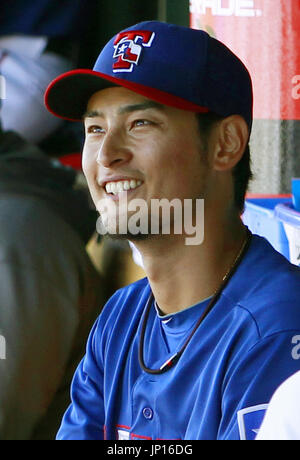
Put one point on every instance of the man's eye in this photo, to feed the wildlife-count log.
(94, 129)
(141, 122)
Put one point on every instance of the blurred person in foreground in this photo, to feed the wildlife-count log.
(282, 419)
(50, 292)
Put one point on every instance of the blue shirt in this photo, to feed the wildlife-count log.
(220, 387)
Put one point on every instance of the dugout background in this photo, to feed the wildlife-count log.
(275, 142)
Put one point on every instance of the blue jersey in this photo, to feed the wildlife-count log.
(219, 389)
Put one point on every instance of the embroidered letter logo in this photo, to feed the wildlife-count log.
(128, 49)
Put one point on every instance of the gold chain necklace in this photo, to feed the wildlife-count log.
(175, 358)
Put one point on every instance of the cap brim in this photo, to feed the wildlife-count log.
(67, 96)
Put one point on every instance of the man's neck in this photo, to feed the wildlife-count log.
(180, 275)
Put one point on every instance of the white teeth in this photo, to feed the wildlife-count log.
(113, 187)
(121, 186)
(126, 185)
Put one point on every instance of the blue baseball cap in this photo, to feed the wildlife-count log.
(174, 65)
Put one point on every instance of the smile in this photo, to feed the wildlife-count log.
(122, 186)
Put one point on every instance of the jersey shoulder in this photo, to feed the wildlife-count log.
(126, 302)
(267, 287)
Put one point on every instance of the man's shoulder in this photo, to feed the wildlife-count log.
(131, 295)
(122, 312)
(268, 289)
(134, 287)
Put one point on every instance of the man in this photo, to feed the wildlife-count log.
(50, 292)
(196, 349)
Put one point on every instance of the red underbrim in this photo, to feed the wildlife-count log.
(72, 159)
(67, 96)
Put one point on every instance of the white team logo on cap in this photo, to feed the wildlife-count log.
(128, 48)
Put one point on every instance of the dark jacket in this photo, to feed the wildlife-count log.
(50, 292)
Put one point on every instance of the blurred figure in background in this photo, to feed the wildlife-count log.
(50, 291)
(282, 419)
(27, 70)
(38, 40)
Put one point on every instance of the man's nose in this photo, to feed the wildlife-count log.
(113, 149)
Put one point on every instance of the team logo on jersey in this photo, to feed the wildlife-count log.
(129, 47)
(250, 420)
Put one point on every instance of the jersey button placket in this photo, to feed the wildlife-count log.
(148, 413)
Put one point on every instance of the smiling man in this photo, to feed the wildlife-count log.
(196, 349)
(137, 136)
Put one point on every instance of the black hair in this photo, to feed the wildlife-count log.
(242, 173)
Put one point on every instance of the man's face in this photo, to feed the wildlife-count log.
(138, 149)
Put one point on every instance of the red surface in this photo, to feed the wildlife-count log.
(265, 34)
(73, 160)
(267, 195)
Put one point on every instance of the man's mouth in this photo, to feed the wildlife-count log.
(114, 188)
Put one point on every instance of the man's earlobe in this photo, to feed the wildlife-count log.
(233, 137)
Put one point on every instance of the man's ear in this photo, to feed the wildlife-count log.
(232, 137)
